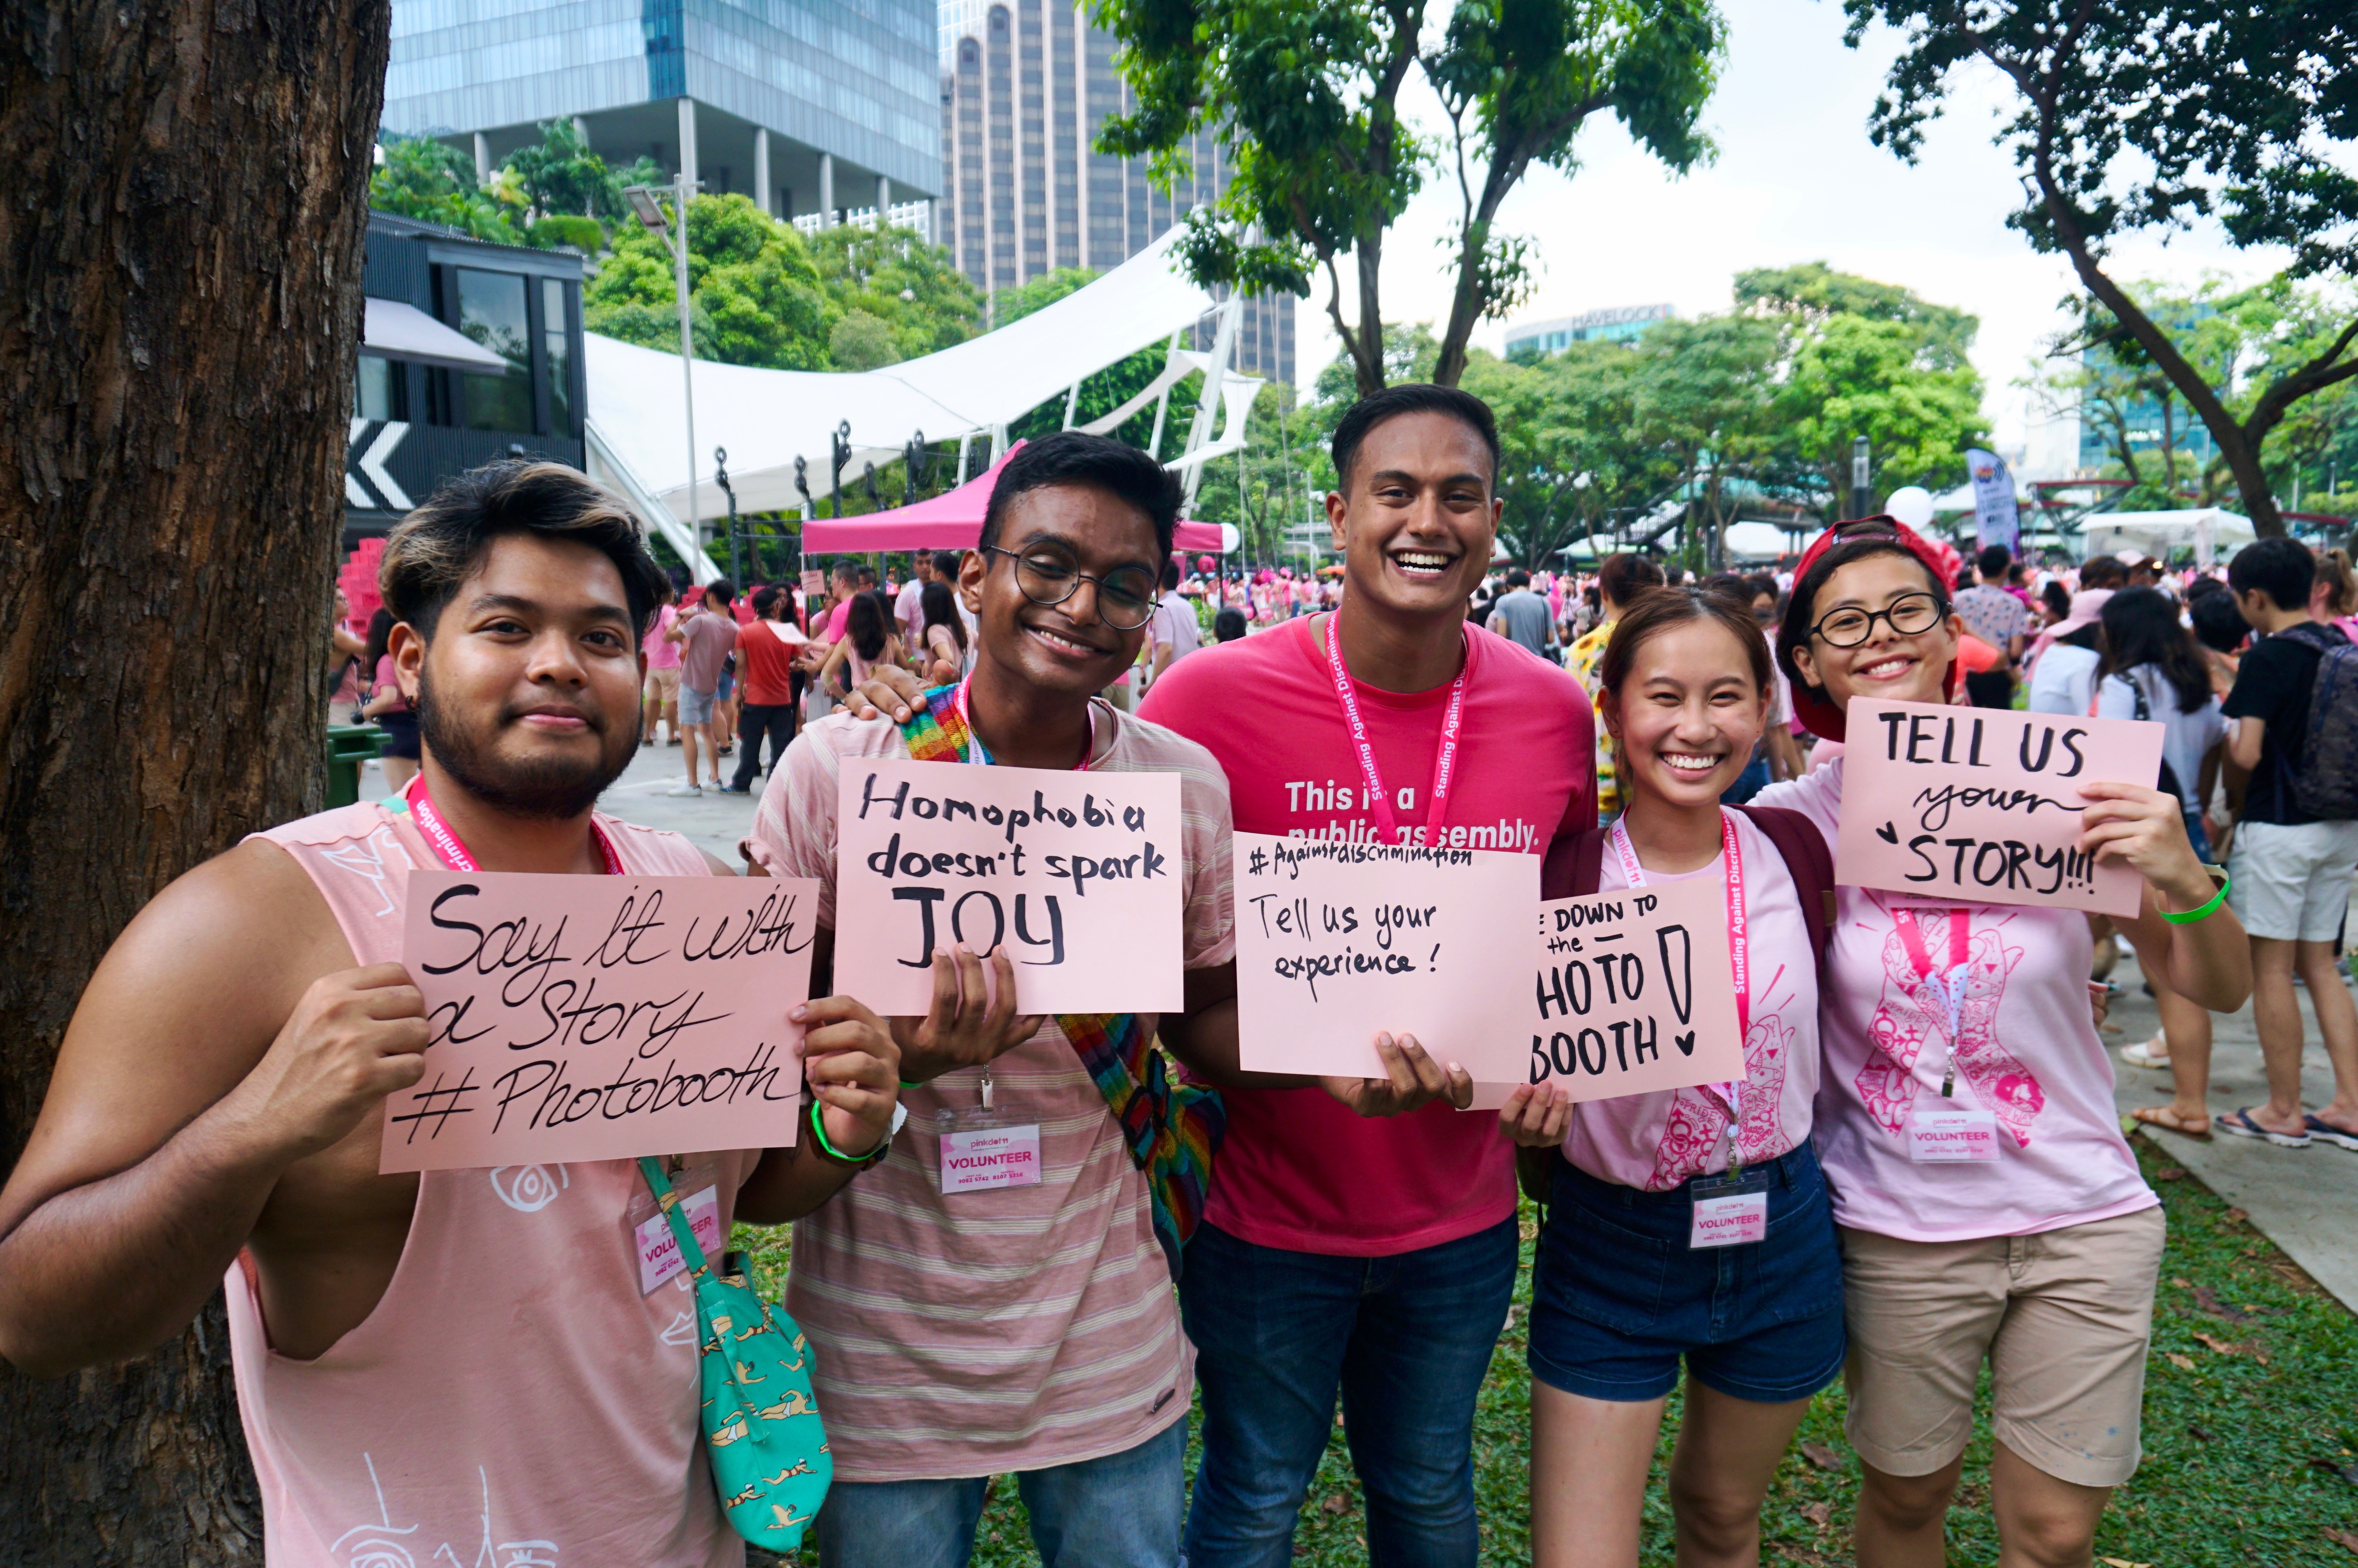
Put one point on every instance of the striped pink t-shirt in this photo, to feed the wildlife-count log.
(1012, 1328)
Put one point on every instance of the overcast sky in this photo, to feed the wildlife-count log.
(1796, 180)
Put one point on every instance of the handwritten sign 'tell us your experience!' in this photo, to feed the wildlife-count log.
(1077, 874)
(1337, 943)
(602, 1018)
(1982, 805)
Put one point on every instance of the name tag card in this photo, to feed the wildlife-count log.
(1951, 1137)
(991, 1157)
(1337, 943)
(600, 1018)
(1737, 1219)
(1635, 993)
(1982, 805)
(1078, 874)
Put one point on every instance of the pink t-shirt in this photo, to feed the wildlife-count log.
(663, 653)
(2028, 1052)
(389, 679)
(1298, 1170)
(1012, 1328)
(1655, 1141)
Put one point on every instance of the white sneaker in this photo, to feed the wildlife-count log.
(685, 789)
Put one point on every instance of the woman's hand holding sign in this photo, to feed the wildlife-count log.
(1537, 1116)
(2206, 958)
(2145, 828)
(973, 1018)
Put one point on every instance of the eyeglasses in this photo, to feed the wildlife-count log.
(1906, 615)
(1050, 574)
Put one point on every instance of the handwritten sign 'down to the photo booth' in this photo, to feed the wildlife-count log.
(1635, 993)
(1337, 943)
(602, 1018)
(1982, 805)
(1078, 875)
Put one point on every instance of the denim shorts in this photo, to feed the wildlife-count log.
(1618, 1296)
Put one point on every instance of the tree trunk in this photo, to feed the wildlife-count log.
(180, 302)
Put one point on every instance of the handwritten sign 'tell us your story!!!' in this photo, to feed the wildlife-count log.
(1635, 993)
(1077, 874)
(1982, 805)
(1337, 943)
(602, 1018)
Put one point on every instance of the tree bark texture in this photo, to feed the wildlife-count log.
(180, 242)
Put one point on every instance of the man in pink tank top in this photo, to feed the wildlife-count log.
(460, 1364)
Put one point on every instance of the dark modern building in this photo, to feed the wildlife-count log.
(469, 352)
(1026, 86)
(807, 107)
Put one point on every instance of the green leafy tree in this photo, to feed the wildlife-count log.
(1264, 488)
(423, 179)
(1814, 292)
(861, 341)
(1855, 375)
(1574, 462)
(1306, 98)
(754, 296)
(560, 175)
(2149, 115)
(893, 276)
(1704, 399)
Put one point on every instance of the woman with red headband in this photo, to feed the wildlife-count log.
(2042, 1260)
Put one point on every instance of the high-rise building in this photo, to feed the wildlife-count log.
(1026, 86)
(808, 106)
(1615, 324)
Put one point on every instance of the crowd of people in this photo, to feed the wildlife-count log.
(463, 1356)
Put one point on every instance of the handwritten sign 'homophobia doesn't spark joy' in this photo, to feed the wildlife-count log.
(1635, 993)
(1981, 805)
(1337, 943)
(602, 1018)
(1077, 874)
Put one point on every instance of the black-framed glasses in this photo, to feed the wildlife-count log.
(1048, 573)
(1906, 615)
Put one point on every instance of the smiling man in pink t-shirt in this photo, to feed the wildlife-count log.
(1375, 1257)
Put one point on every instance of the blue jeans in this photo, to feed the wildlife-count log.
(1407, 1340)
(1120, 1511)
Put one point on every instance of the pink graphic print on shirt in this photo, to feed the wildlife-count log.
(1911, 1010)
(1698, 1120)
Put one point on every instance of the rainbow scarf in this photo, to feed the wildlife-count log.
(1172, 1129)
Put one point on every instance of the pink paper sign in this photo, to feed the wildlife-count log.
(602, 1018)
(1340, 942)
(1982, 805)
(1078, 874)
(1635, 993)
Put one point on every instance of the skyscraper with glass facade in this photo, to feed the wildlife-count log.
(805, 106)
(1026, 85)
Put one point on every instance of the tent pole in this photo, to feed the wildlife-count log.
(1072, 402)
(964, 442)
(1162, 404)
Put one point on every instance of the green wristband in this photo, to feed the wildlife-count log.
(2191, 915)
(858, 1161)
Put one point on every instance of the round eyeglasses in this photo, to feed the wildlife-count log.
(1051, 574)
(1906, 615)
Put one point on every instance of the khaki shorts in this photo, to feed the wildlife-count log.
(662, 686)
(2292, 882)
(2064, 1318)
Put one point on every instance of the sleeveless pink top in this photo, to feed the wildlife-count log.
(512, 1402)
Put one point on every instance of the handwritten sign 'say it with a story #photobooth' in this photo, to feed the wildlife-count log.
(602, 1018)
(1982, 805)
(1079, 875)
(1337, 943)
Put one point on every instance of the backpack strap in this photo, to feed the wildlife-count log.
(1573, 866)
(1805, 854)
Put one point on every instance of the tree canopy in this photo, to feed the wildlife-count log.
(2150, 115)
(1304, 99)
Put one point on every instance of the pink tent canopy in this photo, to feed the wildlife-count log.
(951, 521)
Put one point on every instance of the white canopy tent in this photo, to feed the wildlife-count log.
(767, 419)
(2209, 531)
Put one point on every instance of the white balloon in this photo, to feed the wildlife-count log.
(1912, 505)
(1231, 539)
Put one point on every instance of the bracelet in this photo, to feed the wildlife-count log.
(2191, 915)
(833, 1156)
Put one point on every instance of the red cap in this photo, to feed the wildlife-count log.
(1823, 718)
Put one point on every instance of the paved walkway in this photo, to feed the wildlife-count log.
(2305, 1200)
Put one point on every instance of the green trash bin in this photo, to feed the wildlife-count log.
(349, 745)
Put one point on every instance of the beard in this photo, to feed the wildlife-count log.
(545, 787)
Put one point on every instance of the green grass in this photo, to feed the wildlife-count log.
(2251, 1451)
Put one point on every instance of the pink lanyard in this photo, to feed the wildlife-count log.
(980, 754)
(445, 843)
(1740, 944)
(1952, 983)
(1444, 761)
